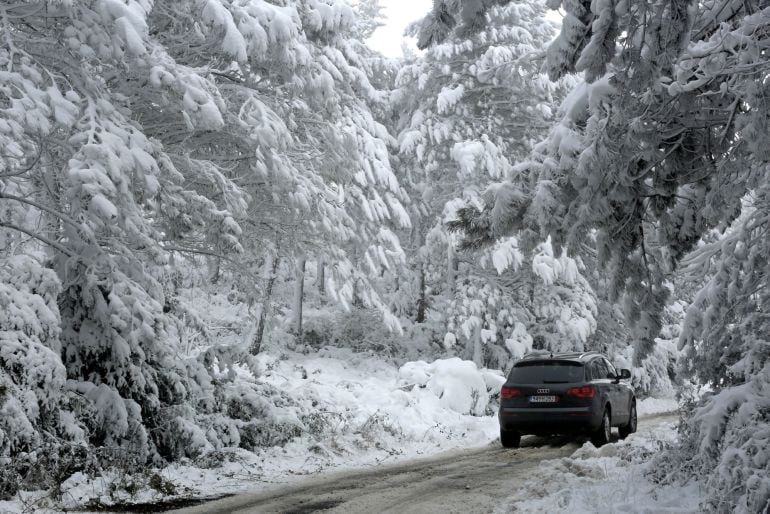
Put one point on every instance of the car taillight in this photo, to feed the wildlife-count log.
(582, 392)
(509, 392)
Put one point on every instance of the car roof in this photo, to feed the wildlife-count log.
(543, 355)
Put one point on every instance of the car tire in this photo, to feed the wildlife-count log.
(630, 427)
(510, 439)
(602, 434)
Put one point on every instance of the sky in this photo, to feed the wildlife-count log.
(400, 13)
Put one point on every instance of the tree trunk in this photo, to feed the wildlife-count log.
(320, 279)
(478, 347)
(215, 264)
(270, 271)
(299, 293)
(451, 272)
(422, 303)
(49, 184)
(358, 302)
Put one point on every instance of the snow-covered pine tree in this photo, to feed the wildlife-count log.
(726, 340)
(90, 191)
(618, 161)
(370, 16)
(661, 144)
(34, 408)
(150, 132)
(469, 105)
(308, 150)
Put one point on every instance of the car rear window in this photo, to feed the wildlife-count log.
(547, 373)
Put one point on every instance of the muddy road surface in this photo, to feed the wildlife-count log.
(459, 482)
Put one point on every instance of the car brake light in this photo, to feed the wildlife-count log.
(582, 392)
(509, 392)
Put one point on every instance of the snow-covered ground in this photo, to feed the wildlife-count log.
(350, 410)
(378, 414)
(607, 479)
(651, 406)
(355, 411)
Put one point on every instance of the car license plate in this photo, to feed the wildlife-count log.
(542, 399)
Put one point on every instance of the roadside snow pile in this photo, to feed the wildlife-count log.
(353, 410)
(459, 385)
(652, 406)
(359, 395)
(612, 478)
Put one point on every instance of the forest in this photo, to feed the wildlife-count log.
(194, 194)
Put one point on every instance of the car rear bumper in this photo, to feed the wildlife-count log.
(549, 420)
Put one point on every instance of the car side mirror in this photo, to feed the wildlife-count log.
(624, 374)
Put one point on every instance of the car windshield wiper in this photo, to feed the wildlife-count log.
(555, 381)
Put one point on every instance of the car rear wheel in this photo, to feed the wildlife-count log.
(630, 427)
(509, 439)
(602, 435)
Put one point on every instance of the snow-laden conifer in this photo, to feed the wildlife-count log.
(470, 106)
(659, 146)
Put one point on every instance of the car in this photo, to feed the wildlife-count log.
(566, 393)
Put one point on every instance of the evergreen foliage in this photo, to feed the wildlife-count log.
(469, 106)
(260, 154)
(157, 132)
(657, 147)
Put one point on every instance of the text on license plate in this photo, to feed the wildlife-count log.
(542, 399)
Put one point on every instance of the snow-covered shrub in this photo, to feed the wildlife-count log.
(34, 422)
(186, 437)
(264, 415)
(123, 355)
(498, 314)
(31, 372)
(726, 440)
(358, 329)
(48, 467)
(378, 425)
(317, 329)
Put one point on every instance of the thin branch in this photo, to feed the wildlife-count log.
(25, 170)
(63, 249)
(226, 76)
(650, 166)
(53, 212)
(734, 108)
(239, 265)
(199, 251)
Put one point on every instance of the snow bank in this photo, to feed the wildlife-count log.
(459, 385)
(652, 406)
(355, 410)
(612, 478)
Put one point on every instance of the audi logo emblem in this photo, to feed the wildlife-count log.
(541, 391)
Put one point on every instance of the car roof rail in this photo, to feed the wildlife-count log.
(534, 354)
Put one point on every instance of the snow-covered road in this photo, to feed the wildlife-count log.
(478, 480)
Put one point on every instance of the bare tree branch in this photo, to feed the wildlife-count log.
(53, 212)
(63, 249)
